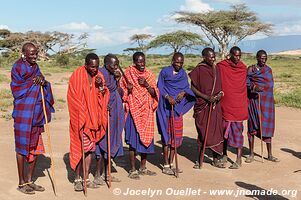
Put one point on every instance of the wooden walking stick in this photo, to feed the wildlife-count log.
(84, 165)
(49, 143)
(174, 140)
(126, 79)
(206, 135)
(260, 127)
(109, 151)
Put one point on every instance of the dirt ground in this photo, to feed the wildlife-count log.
(245, 183)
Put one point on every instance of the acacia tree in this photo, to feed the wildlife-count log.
(64, 42)
(141, 40)
(177, 41)
(226, 26)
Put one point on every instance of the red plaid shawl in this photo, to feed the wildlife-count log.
(87, 110)
(140, 103)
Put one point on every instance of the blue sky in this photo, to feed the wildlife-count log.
(112, 22)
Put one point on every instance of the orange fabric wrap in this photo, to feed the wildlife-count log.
(87, 111)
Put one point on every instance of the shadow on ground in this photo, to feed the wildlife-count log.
(256, 192)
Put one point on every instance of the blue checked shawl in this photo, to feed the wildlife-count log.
(262, 77)
(28, 109)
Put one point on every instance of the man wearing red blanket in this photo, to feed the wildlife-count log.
(234, 103)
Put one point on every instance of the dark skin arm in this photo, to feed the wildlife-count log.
(39, 80)
(180, 96)
(99, 84)
(203, 96)
(170, 100)
(145, 84)
(211, 99)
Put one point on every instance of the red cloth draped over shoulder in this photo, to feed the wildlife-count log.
(140, 103)
(235, 102)
(87, 110)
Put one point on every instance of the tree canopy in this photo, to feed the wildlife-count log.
(177, 40)
(141, 40)
(64, 42)
(226, 26)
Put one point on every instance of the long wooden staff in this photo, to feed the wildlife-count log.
(109, 151)
(84, 165)
(260, 127)
(174, 140)
(49, 143)
(126, 79)
(206, 135)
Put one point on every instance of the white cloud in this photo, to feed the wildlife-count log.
(74, 26)
(230, 1)
(195, 6)
(97, 27)
(125, 33)
(114, 37)
(4, 27)
(288, 28)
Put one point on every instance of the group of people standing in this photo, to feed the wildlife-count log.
(104, 101)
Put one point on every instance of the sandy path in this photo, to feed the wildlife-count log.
(285, 175)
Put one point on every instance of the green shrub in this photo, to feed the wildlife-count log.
(62, 60)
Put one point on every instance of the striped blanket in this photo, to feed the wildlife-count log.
(87, 110)
(263, 77)
(140, 103)
(28, 109)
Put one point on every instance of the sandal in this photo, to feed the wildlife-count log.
(196, 165)
(98, 180)
(218, 163)
(273, 159)
(174, 169)
(133, 174)
(224, 159)
(249, 159)
(166, 170)
(25, 189)
(113, 178)
(91, 185)
(36, 187)
(146, 172)
(235, 165)
(78, 185)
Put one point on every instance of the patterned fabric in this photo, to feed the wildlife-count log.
(28, 109)
(89, 145)
(87, 110)
(116, 119)
(172, 84)
(140, 103)
(233, 132)
(202, 78)
(36, 146)
(177, 127)
(235, 101)
(132, 138)
(262, 77)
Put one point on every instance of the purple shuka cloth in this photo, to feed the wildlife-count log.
(172, 84)
(116, 119)
(28, 109)
(263, 77)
